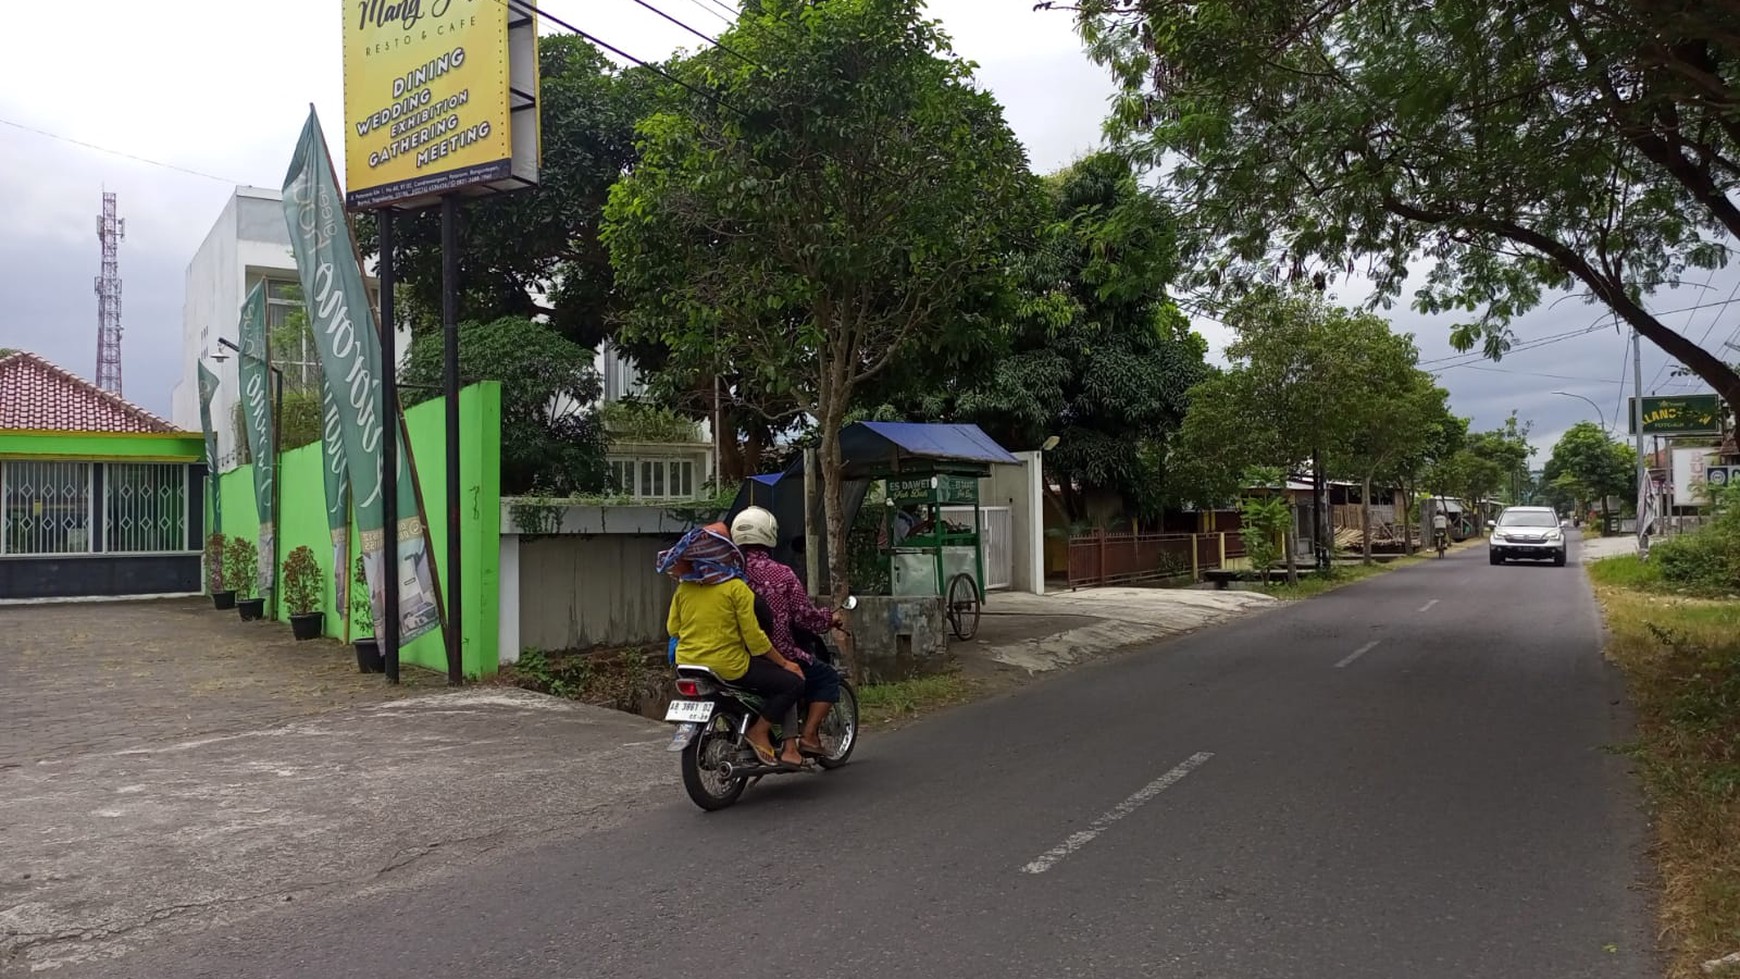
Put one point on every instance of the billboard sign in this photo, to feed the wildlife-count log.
(1690, 414)
(439, 97)
(1690, 468)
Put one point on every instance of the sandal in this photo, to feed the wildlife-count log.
(813, 749)
(764, 755)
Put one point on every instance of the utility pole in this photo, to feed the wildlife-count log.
(1643, 486)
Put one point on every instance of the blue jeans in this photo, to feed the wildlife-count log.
(821, 683)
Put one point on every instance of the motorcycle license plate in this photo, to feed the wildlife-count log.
(689, 711)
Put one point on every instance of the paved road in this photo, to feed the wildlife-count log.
(1402, 778)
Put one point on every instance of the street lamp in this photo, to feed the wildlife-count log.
(1598, 412)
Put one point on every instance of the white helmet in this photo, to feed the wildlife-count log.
(755, 526)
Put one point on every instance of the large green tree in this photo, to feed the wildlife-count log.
(1093, 352)
(846, 199)
(552, 441)
(1304, 379)
(1586, 464)
(1397, 419)
(1503, 149)
(537, 253)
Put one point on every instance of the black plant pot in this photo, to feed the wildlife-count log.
(368, 656)
(223, 599)
(306, 625)
(251, 609)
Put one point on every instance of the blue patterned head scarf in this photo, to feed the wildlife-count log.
(705, 555)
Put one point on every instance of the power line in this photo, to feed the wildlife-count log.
(120, 153)
(527, 6)
(700, 34)
(704, 8)
(1556, 377)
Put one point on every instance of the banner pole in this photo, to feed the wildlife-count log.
(450, 393)
(389, 630)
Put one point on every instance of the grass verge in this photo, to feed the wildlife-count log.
(880, 703)
(1681, 656)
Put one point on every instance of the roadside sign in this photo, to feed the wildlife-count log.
(1690, 414)
(1722, 475)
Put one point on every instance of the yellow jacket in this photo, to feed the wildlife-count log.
(715, 627)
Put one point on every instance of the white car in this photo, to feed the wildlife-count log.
(1531, 533)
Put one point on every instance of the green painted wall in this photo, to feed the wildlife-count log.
(302, 519)
(173, 447)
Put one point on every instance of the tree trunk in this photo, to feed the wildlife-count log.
(834, 515)
(1407, 520)
(1365, 515)
(1291, 534)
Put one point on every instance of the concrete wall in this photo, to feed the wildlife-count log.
(898, 638)
(579, 591)
(1020, 488)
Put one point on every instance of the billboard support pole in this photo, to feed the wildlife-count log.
(389, 629)
(450, 393)
(1637, 426)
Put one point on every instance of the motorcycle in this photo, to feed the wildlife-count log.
(713, 719)
(1441, 541)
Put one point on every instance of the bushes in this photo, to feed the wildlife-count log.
(1704, 561)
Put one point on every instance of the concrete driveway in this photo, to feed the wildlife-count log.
(165, 767)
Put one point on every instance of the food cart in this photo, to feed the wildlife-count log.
(929, 556)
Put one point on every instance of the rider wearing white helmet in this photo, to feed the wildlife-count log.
(756, 532)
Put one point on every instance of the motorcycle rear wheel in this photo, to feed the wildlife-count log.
(700, 776)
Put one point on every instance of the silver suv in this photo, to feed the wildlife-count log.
(1531, 532)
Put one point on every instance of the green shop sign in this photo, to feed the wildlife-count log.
(934, 489)
(1691, 414)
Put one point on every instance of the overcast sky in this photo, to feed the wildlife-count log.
(222, 88)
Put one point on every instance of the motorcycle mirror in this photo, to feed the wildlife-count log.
(850, 603)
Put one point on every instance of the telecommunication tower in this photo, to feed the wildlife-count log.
(111, 231)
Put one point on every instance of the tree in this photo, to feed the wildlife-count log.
(551, 442)
(1093, 351)
(536, 253)
(1395, 420)
(1506, 447)
(1295, 390)
(845, 198)
(1510, 148)
(1588, 465)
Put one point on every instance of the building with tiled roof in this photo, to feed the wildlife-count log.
(35, 395)
(99, 498)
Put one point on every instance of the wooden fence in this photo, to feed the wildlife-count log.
(1110, 559)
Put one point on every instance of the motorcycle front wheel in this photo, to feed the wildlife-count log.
(839, 732)
(702, 760)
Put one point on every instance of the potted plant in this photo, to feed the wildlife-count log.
(241, 567)
(302, 593)
(222, 596)
(362, 620)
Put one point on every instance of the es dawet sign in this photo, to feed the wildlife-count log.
(434, 91)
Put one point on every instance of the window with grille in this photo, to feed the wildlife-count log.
(654, 479)
(45, 507)
(145, 507)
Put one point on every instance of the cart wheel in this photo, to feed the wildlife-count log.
(963, 607)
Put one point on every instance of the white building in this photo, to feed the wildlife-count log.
(248, 244)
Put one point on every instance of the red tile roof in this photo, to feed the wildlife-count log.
(35, 395)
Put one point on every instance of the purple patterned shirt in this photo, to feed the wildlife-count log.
(779, 587)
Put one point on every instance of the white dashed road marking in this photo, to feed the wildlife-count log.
(1428, 604)
(1076, 841)
(1356, 654)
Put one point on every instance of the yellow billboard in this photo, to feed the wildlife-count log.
(427, 99)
